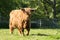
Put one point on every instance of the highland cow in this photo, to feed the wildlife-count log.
(20, 19)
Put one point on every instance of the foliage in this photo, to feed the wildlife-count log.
(45, 9)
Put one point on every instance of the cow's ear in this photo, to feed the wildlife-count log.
(23, 9)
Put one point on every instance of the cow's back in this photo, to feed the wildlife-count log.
(17, 17)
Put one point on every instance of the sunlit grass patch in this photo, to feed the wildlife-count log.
(35, 34)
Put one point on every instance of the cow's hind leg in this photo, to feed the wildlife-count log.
(21, 31)
(11, 28)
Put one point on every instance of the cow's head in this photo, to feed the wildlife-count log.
(28, 10)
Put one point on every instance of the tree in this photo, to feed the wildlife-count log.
(54, 8)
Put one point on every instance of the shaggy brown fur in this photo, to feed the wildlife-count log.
(20, 19)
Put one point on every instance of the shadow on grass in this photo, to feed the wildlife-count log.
(39, 34)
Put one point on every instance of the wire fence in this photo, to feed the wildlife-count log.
(41, 23)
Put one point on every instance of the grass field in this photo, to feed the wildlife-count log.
(35, 34)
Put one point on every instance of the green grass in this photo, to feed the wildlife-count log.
(35, 34)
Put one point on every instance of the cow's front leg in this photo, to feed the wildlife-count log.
(28, 30)
(28, 27)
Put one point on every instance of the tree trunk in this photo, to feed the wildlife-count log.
(54, 8)
(46, 10)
